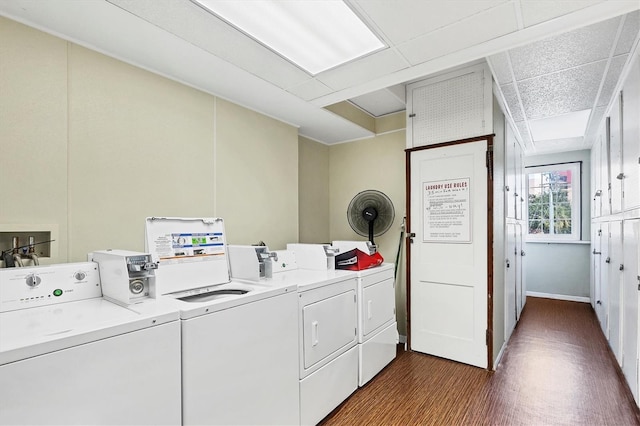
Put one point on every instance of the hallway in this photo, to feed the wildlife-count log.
(557, 370)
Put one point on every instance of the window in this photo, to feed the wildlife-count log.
(554, 201)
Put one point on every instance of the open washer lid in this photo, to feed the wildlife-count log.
(192, 252)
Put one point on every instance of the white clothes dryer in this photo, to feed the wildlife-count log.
(68, 356)
(377, 325)
(239, 339)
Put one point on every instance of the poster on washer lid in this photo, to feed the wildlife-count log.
(447, 211)
(180, 247)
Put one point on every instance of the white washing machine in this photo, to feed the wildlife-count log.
(239, 340)
(377, 326)
(68, 356)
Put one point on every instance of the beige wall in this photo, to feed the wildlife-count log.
(374, 163)
(257, 178)
(33, 129)
(99, 145)
(313, 194)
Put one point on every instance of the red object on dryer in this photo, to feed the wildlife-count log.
(357, 260)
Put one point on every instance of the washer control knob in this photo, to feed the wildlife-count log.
(32, 280)
(80, 275)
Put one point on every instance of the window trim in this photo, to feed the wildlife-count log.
(576, 203)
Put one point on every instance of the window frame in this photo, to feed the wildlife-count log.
(576, 201)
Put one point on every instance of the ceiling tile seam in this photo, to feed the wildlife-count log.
(518, 8)
(502, 100)
(517, 90)
(369, 22)
(524, 80)
(604, 77)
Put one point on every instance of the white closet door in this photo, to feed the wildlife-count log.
(630, 306)
(615, 289)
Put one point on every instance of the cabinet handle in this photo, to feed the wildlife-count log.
(508, 263)
(621, 267)
(620, 176)
(596, 252)
(608, 260)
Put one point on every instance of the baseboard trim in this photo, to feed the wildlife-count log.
(499, 357)
(559, 297)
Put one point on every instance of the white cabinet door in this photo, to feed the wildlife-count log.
(510, 173)
(602, 305)
(596, 181)
(510, 308)
(596, 237)
(519, 195)
(615, 289)
(521, 288)
(615, 155)
(631, 137)
(630, 304)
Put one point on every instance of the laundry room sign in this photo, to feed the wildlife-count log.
(447, 211)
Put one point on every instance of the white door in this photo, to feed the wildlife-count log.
(449, 256)
(510, 281)
(596, 242)
(615, 289)
(510, 173)
(615, 155)
(630, 305)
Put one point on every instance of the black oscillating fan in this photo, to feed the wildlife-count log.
(370, 213)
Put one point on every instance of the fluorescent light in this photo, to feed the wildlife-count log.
(315, 35)
(571, 125)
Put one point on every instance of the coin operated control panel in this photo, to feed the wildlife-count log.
(30, 287)
(127, 277)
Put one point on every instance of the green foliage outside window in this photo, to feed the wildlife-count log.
(550, 202)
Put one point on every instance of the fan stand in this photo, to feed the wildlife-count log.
(370, 214)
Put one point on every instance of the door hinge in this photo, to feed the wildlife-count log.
(412, 115)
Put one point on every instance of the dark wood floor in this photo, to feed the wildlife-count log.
(556, 370)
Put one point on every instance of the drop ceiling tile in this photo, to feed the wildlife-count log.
(561, 92)
(511, 97)
(191, 23)
(584, 45)
(524, 132)
(485, 26)
(310, 89)
(364, 69)
(537, 11)
(501, 67)
(610, 81)
(629, 33)
(379, 103)
(403, 20)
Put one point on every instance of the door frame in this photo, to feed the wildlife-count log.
(408, 152)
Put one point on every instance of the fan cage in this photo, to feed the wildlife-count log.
(380, 202)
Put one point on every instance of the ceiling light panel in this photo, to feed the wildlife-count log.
(584, 45)
(562, 92)
(314, 35)
(537, 11)
(572, 125)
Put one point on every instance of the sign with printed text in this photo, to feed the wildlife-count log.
(447, 211)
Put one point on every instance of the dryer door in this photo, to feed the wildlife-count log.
(328, 325)
(378, 305)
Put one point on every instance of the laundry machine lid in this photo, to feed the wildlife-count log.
(31, 332)
(192, 252)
